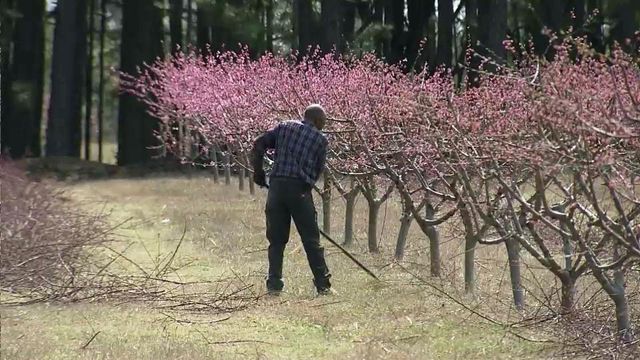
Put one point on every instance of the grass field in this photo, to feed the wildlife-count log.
(397, 319)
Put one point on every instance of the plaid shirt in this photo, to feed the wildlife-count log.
(300, 150)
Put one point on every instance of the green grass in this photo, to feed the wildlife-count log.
(399, 319)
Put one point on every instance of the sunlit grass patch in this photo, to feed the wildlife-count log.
(222, 232)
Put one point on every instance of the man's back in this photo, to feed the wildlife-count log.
(300, 151)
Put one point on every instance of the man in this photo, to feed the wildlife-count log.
(300, 154)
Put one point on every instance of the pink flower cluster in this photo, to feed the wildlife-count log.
(580, 107)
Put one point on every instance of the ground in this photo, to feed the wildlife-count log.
(399, 318)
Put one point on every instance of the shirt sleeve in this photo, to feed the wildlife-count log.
(263, 143)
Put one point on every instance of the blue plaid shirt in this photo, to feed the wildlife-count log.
(300, 150)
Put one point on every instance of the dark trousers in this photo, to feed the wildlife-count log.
(287, 199)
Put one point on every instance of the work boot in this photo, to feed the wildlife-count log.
(323, 286)
(327, 291)
(274, 286)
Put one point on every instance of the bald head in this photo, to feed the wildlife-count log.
(315, 114)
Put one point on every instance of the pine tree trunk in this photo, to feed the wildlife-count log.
(492, 30)
(394, 16)
(6, 29)
(471, 25)
(331, 19)
(304, 24)
(103, 31)
(378, 18)
(175, 23)
(88, 105)
(348, 23)
(203, 29)
(24, 104)
(579, 13)
(269, 25)
(135, 126)
(552, 13)
(189, 37)
(445, 33)
(419, 13)
(64, 125)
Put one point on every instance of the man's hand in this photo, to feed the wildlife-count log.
(259, 178)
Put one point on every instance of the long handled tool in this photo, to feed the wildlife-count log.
(348, 254)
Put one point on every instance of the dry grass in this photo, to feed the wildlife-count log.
(399, 319)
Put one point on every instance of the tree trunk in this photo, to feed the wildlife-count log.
(326, 204)
(203, 29)
(136, 127)
(624, 14)
(405, 224)
(469, 265)
(189, 37)
(175, 24)
(64, 130)
(470, 242)
(24, 104)
(445, 33)
(623, 318)
(378, 18)
(513, 255)
(252, 185)
(567, 300)
(553, 13)
(394, 16)
(103, 31)
(471, 24)
(227, 168)
(331, 19)
(579, 13)
(304, 25)
(88, 105)
(492, 30)
(241, 176)
(434, 241)
(269, 26)
(6, 28)
(215, 163)
(372, 230)
(348, 217)
(348, 23)
(419, 13)
(567, 251)
(249, 174)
